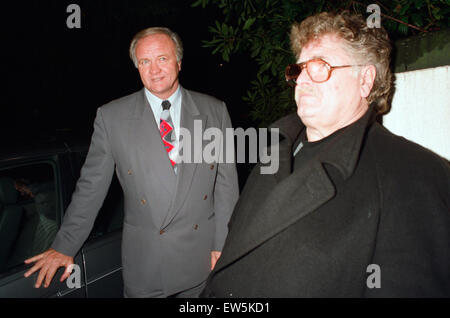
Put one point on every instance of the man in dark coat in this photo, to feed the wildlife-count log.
(353, 211)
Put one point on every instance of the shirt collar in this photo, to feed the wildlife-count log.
(155, 102)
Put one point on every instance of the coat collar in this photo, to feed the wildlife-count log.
(343, 153)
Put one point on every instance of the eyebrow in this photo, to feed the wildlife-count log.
(161, 55)
(326, 59)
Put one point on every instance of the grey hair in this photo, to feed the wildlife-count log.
(156, 30)
(367, 45)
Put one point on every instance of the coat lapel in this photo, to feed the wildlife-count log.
(308, 188)
(186, 170)
(151, 155)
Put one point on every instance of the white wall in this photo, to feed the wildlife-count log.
(421, 108)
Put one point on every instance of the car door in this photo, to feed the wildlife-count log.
(102, 250)
(32, 199)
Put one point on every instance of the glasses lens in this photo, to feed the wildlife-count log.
(292, 72)
(317, 70)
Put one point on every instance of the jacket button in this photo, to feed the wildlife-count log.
(143, 201)
(161, 232)
(195, 226)
(130, 172)
(212, 167)
(205, 197)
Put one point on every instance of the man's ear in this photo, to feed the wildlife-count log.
(179, 65)
(368, 74)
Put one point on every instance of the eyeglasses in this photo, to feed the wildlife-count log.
(318, 70)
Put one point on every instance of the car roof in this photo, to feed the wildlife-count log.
(24, 149)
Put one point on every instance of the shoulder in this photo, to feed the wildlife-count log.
(398, 148)
(121, 105)
(202, 98)
(206, 104)
(399, 158)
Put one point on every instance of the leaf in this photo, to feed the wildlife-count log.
(217, 49)
(436, 13)
(404, 8)
(224, 29)
(264, 67)
(226, 55)
(249, 23)
(255, 49)
(203, 3)
(218, 26)
(417, 19)
(212, 29)
(419, 3)
(403, 28)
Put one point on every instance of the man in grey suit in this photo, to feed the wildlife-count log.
(176, 213)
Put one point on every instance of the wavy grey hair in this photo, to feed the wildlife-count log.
(156, 30)
(367, 45)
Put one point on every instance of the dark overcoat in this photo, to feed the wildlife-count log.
(369, 216)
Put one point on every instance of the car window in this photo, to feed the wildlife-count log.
(29, 213)
(110, 216)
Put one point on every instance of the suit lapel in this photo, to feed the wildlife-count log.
(151, 155)
(186, 171)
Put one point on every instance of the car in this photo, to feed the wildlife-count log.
(36, 185)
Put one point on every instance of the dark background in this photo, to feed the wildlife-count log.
(55, 77)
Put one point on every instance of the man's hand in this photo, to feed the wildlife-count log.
(48, 263)
(214, 257)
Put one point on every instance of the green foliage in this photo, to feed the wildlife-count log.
(260, 29)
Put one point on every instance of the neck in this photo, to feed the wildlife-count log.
(166, 95)
(318, 133)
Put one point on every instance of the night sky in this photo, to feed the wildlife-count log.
(55, 77)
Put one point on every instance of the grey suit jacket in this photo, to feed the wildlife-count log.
(172, 221)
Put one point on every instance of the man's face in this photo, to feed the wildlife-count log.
(328, 106)
(157, 64)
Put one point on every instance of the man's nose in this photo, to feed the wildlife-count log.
(154, 68)
(303, 77)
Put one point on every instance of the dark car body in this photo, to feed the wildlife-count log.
(36, 185)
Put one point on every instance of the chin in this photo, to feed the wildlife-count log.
(307, 110)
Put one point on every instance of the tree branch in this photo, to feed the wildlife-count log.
(402, 22)
(395, 19)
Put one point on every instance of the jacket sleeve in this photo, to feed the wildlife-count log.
(226, 190)
(90, 192)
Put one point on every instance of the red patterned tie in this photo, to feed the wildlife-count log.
(167, 131)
